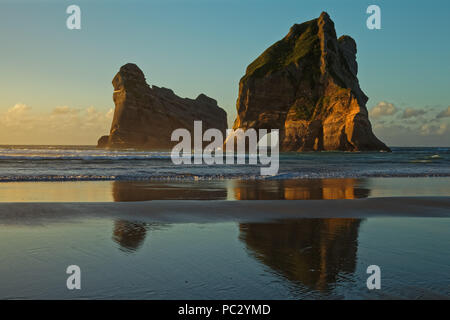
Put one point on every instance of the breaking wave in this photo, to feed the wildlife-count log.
(81, 163)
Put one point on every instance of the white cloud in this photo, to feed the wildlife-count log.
(63, 110)
(19, 108)
(444, 114)
(411, 113)
(431, 129)
(62, 125)
(428, 129)
(397, 133)
(412, 126)
(443, 129)
(110, 113)
(383, 109)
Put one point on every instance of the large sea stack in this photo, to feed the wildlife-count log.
(145, 117)
(305, 85)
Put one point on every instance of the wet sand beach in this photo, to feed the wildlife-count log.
(226, 239)
(192, 250)
(199, 211)
(223, 189)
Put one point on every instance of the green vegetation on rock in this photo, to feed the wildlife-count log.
(301, 43)
(304, 112)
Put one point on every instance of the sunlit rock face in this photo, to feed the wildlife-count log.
(306, 86)
(145, 117)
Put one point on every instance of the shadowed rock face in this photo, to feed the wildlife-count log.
(130, 235)
(305, 85)
(145, 117)
(316, 253)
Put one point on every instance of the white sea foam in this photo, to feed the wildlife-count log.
(61, 163)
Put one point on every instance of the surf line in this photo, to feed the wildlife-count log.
(236, 148)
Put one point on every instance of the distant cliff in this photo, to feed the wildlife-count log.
(145, 117)
(305, 85)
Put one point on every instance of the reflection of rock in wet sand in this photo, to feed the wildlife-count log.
(313, 252)
(144, 191)
(300, 189)
(294, 189)
(131, 235)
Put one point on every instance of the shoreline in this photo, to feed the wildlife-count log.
(230, 189)
(200, 211)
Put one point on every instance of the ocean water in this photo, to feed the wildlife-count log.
(86, 163)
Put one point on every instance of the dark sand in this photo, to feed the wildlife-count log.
(198, 211)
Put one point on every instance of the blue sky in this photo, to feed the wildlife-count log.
(194, 46)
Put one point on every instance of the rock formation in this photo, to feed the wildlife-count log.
(144, 117)
(305, 85)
